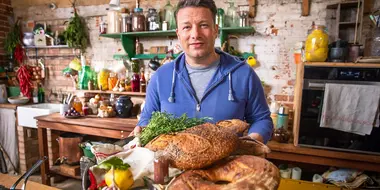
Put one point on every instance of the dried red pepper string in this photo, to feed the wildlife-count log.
(24, 77)
(19, 53)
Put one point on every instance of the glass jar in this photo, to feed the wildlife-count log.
(153, 20)
(103, 79)
(317, 44)
(77, 105)
(138, 20)
(142, 82)
(114, 21)
(112, 81)
(135, 80)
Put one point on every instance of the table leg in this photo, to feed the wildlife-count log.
(43, 148)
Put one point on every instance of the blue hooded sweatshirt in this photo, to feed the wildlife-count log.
(234, 92)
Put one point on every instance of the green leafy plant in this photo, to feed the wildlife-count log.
(114, 162)
(13, 38)
(76, 33)
(164, 123)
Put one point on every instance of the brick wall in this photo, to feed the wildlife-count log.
(5, 11)
(274, 49)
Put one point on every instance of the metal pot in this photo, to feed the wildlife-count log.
(69, 150)
(28, 39)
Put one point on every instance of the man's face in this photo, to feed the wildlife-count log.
(196, 31)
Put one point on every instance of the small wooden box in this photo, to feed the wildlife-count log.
(158, 49)
(39, 40)
(70, 170)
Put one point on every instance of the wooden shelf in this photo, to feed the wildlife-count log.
(348, 23)
(45, 47)
(335, 64)
(56, 170)
(141, 34)
(128, 39)
(112, 92)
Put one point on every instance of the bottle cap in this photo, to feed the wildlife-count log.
(283, 110)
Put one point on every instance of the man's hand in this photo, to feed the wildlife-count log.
(257, 137)
(135, 131)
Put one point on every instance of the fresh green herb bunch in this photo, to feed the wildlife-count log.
(13, 38)
(76, 33)
(163, 123)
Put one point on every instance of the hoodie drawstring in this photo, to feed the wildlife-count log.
(230, 95)
(172, 95)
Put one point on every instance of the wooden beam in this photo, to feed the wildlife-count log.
(305, 7)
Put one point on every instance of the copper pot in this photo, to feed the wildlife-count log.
(69, 150)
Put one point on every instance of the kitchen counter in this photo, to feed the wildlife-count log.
(117, 128)
(9, 106)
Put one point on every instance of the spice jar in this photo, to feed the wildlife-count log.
(153, 20)
(138, 20)
(112, 80)
(317, 44)
(164, 25)
(161, 168)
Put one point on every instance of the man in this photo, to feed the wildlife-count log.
(206, 82)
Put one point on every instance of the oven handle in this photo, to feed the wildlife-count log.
(316, 85)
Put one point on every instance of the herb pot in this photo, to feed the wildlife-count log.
(124, 106)
(28, 39)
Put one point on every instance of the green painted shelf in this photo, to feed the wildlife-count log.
(141, 34)
(141, 56)
(128, 39)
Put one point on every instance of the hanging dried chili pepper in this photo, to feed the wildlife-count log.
(24, 77)
(19, 53)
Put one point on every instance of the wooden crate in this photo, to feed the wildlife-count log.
(290, 184)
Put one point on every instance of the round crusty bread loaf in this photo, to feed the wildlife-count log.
(237, 173)
(196, 147)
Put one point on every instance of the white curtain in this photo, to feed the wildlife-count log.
(8, 138)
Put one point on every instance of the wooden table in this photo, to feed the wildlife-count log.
(117, 128)
(8, 181)
(289, 152)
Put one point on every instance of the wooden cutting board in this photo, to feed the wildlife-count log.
(8, 181)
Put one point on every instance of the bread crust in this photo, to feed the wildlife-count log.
(241, 172)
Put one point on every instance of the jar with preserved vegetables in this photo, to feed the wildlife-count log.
(316, 45)
(138, 20)
(103, 79)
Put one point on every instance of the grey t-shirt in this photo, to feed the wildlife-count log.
(201, 76)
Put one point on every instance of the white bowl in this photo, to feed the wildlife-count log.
(18, 100)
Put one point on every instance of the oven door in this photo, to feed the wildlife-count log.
(312, 135)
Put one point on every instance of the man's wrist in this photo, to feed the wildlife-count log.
(257, 137)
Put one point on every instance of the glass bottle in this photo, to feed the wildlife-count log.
(138, 20)
(85, 76)
(231, 17)
(283, 117)
(169, 15)
(35, 95)
(316, 44)
(220, 18)
(142, 82)
(135, 80)
(41, 94)
(153, 21)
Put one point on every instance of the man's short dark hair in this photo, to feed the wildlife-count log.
(209, 4)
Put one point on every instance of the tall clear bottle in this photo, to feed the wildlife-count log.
(169, 15)
(232, 18)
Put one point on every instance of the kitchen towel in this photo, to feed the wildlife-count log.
(350, 108)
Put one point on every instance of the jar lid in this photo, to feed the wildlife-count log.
(138, 10)
(134, 58)
(283, 110)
